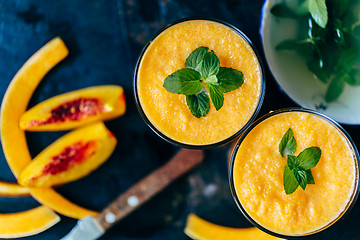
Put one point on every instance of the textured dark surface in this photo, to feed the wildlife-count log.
(105, 38)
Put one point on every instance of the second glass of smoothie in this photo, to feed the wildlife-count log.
(257, 174)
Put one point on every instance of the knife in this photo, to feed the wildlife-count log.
(90, 227)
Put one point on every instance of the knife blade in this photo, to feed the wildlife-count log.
(91, 228)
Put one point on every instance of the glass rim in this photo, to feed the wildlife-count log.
(354, 195)
(195, 146)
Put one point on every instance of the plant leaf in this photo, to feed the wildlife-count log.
(300, 176)
(309, 177)
(199, 104)
(210, 65)
(309, 158)
(195, 58)
(216, 95)
(282, 10)
(354, 78)
(335, 88)
(213, 80)
(290, 182)
(292, 161)
(230, 79)
(318, 11)
(184, 81)
(287, 145)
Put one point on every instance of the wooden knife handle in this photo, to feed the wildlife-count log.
(149, 186)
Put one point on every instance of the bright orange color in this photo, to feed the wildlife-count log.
(13, 190)
(49, 197)
(107, 102)
(17, 97)
(23, 224)
(53, 166)
(13, 138)
(168, 112)
(199, 229)
(259, 168)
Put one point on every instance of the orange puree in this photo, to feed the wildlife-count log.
(168, 112)
(259, 168)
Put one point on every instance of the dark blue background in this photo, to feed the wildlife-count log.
(105, 38)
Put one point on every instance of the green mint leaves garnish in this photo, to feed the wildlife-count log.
(297, 171)
(202, 68)
(287, 144)
(324, 25)
(318, 11)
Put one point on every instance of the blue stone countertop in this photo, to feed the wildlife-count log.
(105, 38)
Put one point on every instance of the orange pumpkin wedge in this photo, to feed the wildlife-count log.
(50, 198)
(73, 109)
(199, 229)
(30, 222)
(13, 190)
(13, 107)
(17, 98)
(70, 157)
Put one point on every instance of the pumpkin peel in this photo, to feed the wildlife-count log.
(14, 105)
(199, 229)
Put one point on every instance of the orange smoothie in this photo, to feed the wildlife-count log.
(168, 112)
(258, 170)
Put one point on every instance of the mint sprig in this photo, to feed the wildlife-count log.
(202, 68)
(297, 171)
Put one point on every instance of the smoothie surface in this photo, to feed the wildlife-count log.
(259, 168)
(168, 112)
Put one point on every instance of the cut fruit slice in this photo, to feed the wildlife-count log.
(13, 190)
(73, 109)
(70, 157)
(14, 105)
(17, 98)
(199, 229)
(49, 197)
(31, 222)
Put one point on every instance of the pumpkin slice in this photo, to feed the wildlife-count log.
(70, 157)
(73, 109)
(23, 224)
(13, 107)
(49, 197)
(13, 190)
(199, 229)
(17, 97)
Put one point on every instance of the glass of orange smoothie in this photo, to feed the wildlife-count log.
(167, 113)
(258, 177)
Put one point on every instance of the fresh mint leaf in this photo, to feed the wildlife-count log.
(216, 96)
(297, 45)
(203, 67)
(335, 88)
(230, 79)
(292, 162)
(300, 176)
(210, 65)
(213, 80)
(287, 145)
(282, 10)
(195, 59)
(297, 170)
(184, 81)
(199, 104)
(309, 177)
(353, 78)
(290, 182)
(309, 158)
(346, 61)
(318, 11)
